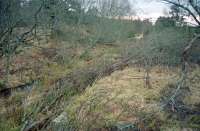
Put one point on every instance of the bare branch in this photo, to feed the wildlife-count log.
(185, 8)
(190, 45)
(194, 7)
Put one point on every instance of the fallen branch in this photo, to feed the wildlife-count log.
(187, 49)
(90, 76)
(182, 81)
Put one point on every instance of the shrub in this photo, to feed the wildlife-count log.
(2, 84)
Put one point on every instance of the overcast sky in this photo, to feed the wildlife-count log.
(150, 8)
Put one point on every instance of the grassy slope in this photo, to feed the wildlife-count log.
(115, 99)
(122, 98)
(47, 62)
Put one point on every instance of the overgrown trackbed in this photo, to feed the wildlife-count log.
(120, 99)
(76, 81)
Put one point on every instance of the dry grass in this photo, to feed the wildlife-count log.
(122, 99)
(119, 98)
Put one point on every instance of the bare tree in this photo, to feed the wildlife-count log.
(10, 21)
(191, 7)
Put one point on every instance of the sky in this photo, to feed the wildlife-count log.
(150, 8)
